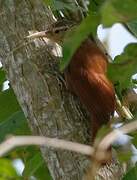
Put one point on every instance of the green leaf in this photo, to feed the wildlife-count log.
(16, 124)
(32, 165)
(131, 174)
(124, 66)
(124, 156)
(118, 11)
(42, 173)
(7, 170)
(75, 37)
(35, 167)
(132, 25)
(8, 104)
(12, 119)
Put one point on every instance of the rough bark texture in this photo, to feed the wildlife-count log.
(39, 87)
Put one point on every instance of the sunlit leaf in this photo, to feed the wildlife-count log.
(7, 170)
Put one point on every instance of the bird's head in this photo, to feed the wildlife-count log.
(55, 32)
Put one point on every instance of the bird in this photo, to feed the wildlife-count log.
(86, 76)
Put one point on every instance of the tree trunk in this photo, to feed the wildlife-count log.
(32, 71)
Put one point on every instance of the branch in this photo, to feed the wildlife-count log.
(112, 136)
(101, 154)
(16, 141)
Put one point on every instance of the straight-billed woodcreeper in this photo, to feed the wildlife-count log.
(86, 74)
(86, 77)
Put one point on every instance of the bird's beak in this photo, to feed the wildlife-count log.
(37, 34)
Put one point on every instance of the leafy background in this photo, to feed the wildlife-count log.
(12, 119)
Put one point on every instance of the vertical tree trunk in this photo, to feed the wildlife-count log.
(33, 75)
(39, 87)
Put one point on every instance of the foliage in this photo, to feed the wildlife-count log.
(77, 35)
(7, 170)
(116, 11)
(125, 63)
(131, 174)
(124, 66)
(35, 166)
(132, 25)
(12, 119)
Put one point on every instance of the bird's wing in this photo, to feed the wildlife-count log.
(96, 93)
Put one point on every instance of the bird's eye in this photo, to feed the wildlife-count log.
(65, 29)
(56, 31)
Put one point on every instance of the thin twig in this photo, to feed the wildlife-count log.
(112, 136)
(122, 110)
(101, 152)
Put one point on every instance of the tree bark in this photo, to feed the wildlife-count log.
(33, 74)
